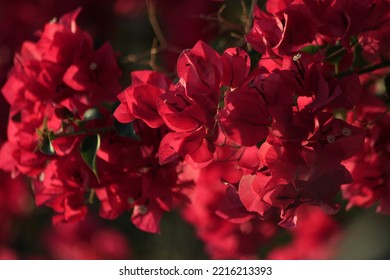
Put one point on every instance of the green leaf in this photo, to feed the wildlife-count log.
(46, 146)
(254, 56)
(126, 130)
(89, 115)
(92, 114)
(88, 149)
(311, 49)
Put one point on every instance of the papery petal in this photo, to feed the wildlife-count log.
(64, 145)
(142, 104)
(245, 117)
(236, 67)
(156, 79)
(179, 112)
(249, 189)
(232, 209)
(122, 113)
(169, 147)
(147, 218)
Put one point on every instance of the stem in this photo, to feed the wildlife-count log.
(339, 51)
(151, 9)
(91, 196)
(83, 132)
(221, 21)
(368, 69)
(372, 122)
(249, 19)
(382, 64)
(379, 117)
(159, 44)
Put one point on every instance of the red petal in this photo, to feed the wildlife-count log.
(149, 220)
(236, 67)
(122, 113)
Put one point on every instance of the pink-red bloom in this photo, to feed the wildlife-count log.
(281, 32)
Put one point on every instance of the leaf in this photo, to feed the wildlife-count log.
(46, 147)
(254, 57)
(88, 149)
(126, 130)
(312, 49)
(92, 114)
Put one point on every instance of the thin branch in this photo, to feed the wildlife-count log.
(368, 69)
(339, 51)
(83, 132)
(250, 16)
(249, 20)
(151, 9)
(153, 55)
(378, 117)
(159, 44)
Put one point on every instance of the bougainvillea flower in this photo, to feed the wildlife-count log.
(369, 168)
(61, 70)
(250, 193)
(282, 33)
(342, 18)
(179, 112)
(62, 187)
(339, 138)
(191, 145)
(201, 69)
(245, 118)
(242, 147)
(147, 218)
(95, 73)
(288, 184)
(236, 67)
(139, 101)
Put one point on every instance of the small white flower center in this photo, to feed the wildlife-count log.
(346, 131)
(141, 209)
(330, 138)
(93, 66)
(297, 57)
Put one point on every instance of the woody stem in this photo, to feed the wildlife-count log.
(83, 132)
(368, 69)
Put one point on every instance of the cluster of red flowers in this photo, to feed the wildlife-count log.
(239, 141)
(61, 92)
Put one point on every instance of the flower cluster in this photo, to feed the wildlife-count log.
(61, 132)
(52, 84)
(280, 123)
(369, 168)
